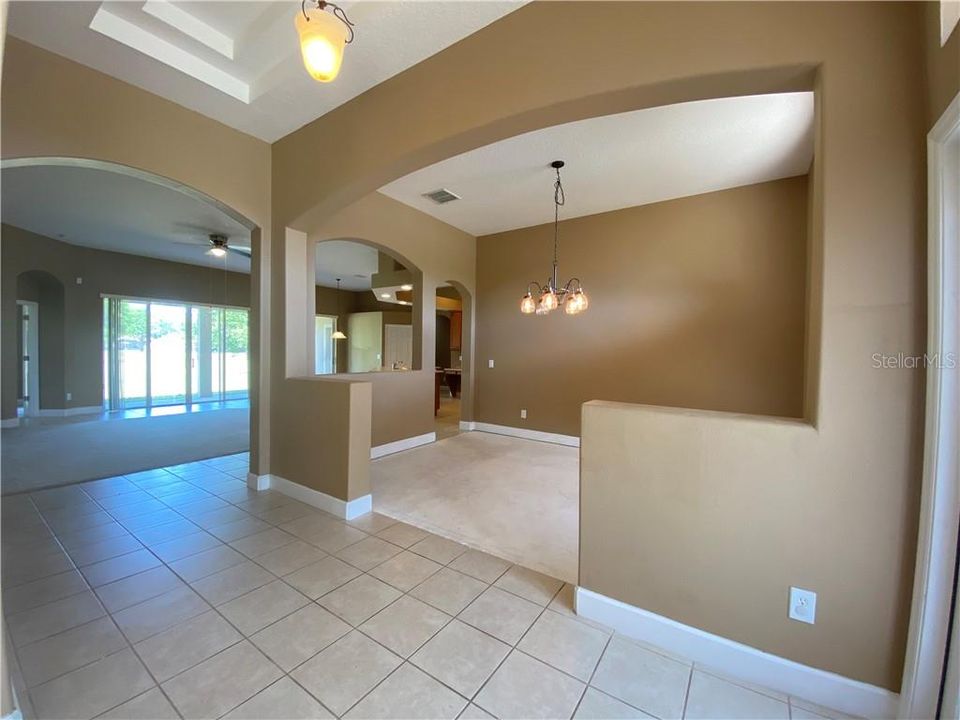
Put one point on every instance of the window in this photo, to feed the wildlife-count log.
(165, 353)
(325, 355)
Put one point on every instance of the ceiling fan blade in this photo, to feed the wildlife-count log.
(246, 252)
(198, 243)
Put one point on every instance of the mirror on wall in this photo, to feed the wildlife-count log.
(364, 322)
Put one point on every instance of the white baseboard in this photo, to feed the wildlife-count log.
(348, 510)
(468, 425)
(737, 660)
(70, 412)
(538, 435)
(10, 423)
(258, 482)
(400, 445)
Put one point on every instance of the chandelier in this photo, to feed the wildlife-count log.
(544, 299)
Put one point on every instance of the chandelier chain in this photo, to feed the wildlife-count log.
(558, 199)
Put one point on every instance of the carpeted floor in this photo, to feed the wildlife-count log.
(50, 452)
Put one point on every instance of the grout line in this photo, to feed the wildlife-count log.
(686, 695)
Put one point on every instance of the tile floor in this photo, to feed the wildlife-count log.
(179, 593)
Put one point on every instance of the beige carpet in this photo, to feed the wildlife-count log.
(517, 499)
(50, 452)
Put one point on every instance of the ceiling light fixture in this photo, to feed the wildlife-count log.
(218, 246)
(322, 38)
(550, 296)
(406, 287)
(338, 334)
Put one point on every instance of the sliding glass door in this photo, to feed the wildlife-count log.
(163, 353)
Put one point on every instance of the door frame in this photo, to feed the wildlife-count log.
(935, 579)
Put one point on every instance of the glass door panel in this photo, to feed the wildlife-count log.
(168, 348)
(132, 354)
(205, 354)
(236, 345)
(325, 347)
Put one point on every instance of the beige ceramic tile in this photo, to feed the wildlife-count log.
(402, 534)
(368, 553)
(151, 705)
(206, 563)
(263, 606)
(231, 583)
(290, 558)
(92, 689)
(107, 571)
(449, 590)
(565, 643)
(171, 652)
(321, 577)
(284, 700)
(104, 550)
(501, 614)
(346, 671)
(461, 657)
(646, 680)
(135, 589)
(530, 585)
(46, 620)
(139, 622)
(438, 549)
(711, 697)
(408, 693)
(480, 565)
(372, 522)
(359, 599)
(524, 687)
(179, 548)
(222, 682)
(596, 705)
(299, 636)
(263, 542)
(44, 660)
(42, 591)
(406, 570)
(405, 625)
(472, 712)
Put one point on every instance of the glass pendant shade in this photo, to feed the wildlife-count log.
(322, 39)
(338, 336)
(549, 300)
(528, 305)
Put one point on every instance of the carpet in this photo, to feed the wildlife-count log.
(59, 452)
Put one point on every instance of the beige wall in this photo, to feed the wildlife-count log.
(942, 64)
(859, 488)
(81, 331)
(121, 124)
(697, 302)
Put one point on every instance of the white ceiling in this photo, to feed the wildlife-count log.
(239, 62)
(352, 262)
(619, 161)
(109, 211)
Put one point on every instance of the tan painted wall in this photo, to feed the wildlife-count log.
(942, 64)
(697, 302)
(859, 488)
(82, 333)
(119, 123)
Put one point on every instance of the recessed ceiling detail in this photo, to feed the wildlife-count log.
(239, 62)
(619, 161)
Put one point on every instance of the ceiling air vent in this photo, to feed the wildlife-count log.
(441, 196)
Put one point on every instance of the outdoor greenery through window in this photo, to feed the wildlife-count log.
(164, 353)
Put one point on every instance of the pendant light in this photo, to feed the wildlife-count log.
(544, 299)
(338, 334)
(323, 36)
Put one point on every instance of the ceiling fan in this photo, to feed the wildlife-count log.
(218, 244)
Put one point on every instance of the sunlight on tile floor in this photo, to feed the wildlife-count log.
(179, 593)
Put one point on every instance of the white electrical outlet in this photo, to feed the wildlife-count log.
(523, 414)
(489, 363)
(69, 396)
(803, 605)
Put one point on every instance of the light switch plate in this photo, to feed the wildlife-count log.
(489, 363)
(803, 605)
(523, 414)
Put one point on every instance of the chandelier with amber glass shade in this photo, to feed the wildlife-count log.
(544, 299)
(324, 30)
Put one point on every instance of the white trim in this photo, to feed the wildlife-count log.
(10, 423)
(348, 510)
(740, 661)
(940, 490)
(70, 412)
(538, 435)
(468, 425)
(258, 482)
(400, 445)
